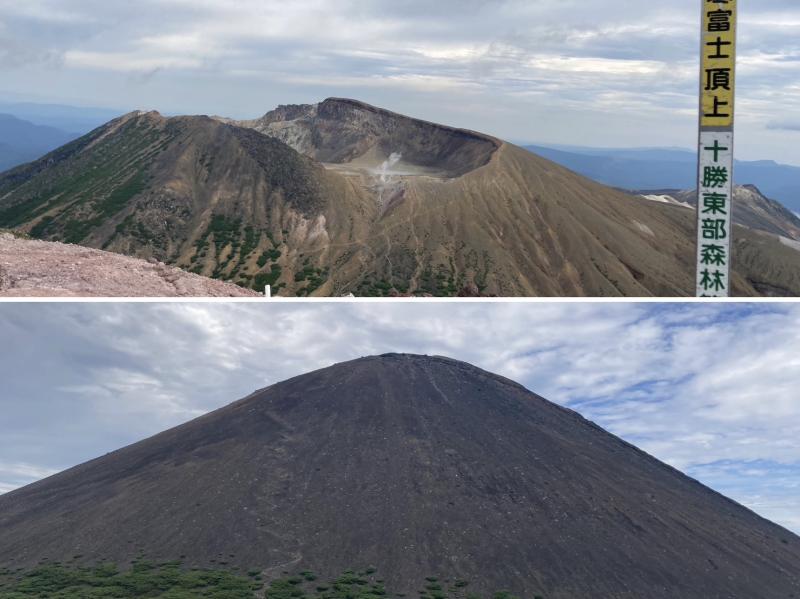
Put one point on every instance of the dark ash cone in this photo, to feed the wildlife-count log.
(418, 466)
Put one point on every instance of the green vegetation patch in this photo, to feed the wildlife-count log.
(269, 255)
(314, 278)
(440, 282)
(171, 580)
(143, 579)
(366, 585)
(224, 231)
(369, 287)
(76, 230)
(269, 278)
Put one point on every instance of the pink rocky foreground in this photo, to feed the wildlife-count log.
(32, 268)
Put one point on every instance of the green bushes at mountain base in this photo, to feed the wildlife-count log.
(144, 579)
(172, 580)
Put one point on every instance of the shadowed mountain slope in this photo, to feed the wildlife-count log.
(343, 197)
(418, 466)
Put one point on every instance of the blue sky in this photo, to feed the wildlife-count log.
(610, 73)
(710, 389)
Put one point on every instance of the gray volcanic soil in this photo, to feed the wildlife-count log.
(416, 465)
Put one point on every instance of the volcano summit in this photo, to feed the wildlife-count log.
(418, 466)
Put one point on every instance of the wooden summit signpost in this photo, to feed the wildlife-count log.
(715, 162)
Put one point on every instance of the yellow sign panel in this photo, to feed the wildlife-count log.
(718, 71)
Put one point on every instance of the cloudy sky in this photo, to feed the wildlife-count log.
(602, 73)
(710, 389)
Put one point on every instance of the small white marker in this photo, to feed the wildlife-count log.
(267, 291)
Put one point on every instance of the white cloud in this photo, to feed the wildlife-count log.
(604, 74)
(126, 61)
(14, 475)
(23, 470)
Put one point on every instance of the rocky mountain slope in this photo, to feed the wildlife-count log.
(347, 132)
(32, 268)
(220, 201)
(751, 208)
(419, 466)
(342, 197)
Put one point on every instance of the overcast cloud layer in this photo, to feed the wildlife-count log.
(604, 73)
(712, 390)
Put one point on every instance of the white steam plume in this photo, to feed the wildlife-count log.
(385, 171)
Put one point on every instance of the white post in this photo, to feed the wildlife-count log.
(715, 148)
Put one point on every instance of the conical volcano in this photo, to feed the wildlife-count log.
(419, 466)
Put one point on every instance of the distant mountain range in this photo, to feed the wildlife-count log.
(22, 141)
(29, 130)
(670, 168)
(74, 119)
